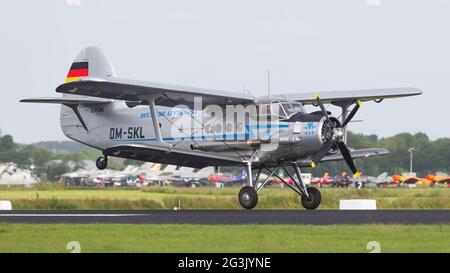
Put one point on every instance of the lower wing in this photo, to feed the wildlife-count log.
(361, 153)
(169, 155)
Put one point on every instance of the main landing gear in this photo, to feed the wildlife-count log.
(248, 195)
(314, 199)
(102, 162)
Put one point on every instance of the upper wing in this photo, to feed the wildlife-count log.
(363, 95)
(68, 100)
(165, 95)
(174, 156)
(171, 95)
(361, 153)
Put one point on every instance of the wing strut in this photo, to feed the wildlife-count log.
(153, 113)
(344, 114)
(74, 107)
(344, 105)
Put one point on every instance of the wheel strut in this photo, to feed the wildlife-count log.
(310, 196)
(248, 196)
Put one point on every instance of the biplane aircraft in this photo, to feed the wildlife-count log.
(197, 127)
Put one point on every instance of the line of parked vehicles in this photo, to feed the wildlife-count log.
(383, 180)
(150, 174)
(157, 174)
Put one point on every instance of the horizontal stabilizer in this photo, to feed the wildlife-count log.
(72, 102)
(68, 100)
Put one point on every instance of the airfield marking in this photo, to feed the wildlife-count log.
(68, 215)
(230, 217)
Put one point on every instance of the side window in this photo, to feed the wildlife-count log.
(264, 109)
(298, 108)
(281, 111)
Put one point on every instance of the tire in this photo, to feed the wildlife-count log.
(101, 162)
(248, 197)
(314, 199)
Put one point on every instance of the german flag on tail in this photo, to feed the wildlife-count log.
(77, 71)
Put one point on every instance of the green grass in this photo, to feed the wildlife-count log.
(58, 197)
(223, 238)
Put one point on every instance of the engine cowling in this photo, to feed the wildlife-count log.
(327, 132)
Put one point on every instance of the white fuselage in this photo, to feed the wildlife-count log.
(117, 124)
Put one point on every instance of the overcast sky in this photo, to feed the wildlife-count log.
(314, 45)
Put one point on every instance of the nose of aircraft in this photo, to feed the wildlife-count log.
(333, 134)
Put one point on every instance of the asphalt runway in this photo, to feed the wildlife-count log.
(211, 217)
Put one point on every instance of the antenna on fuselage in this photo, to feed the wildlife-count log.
(245, 90)
(268, 84)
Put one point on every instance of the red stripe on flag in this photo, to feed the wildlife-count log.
(77, 73)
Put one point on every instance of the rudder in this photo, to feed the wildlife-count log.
(90, 62)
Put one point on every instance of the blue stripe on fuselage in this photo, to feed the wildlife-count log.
(245, 136)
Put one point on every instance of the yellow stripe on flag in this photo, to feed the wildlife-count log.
(73, 79)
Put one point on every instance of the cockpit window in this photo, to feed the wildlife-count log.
(281, 109)
(298, 108)
(288, 109)
(273, 109)
(278, 107)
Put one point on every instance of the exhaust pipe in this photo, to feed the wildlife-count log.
(235, 145)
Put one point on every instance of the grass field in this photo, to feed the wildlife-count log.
(58, 197)
(221, 238)
(218, 238)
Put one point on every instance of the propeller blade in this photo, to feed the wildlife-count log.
(347, 157)
(322, 107)
(322, 152)
(352, 113)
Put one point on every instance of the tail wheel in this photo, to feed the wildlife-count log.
(101, 162)
(248, 197)
(314, 199)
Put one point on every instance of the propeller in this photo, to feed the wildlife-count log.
(352, 113)
(322, 107)
(337, 137)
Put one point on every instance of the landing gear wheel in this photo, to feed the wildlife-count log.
(101, 162)
(248, 197)
(314, 198)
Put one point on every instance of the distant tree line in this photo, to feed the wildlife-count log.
(45, 161)
(62, 146)
(429, 156)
